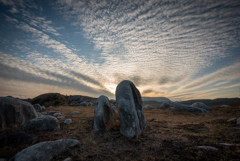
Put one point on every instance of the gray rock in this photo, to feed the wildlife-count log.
(15, 112)
(68, 159)
(238, 121)
(200, 105)
(182, 107)
(74, 113)
(44, 151)
(44, 113)
(207, 148)
(61, 117)
(147, 106)
(232, 120)
(83, 104)
(53, 112)
(68, 121)
(39, 108)
(57, 114)
(103, 113)
(131, 113)
(164, 105)
(44, 123)
(225, 106)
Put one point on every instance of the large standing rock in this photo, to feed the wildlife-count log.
(44, 123)
(15, 112)
(44, 150)
(131, 114)
(103, 113)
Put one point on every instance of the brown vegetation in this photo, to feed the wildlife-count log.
(169, 136)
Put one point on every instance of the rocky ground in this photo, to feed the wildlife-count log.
(168, 136)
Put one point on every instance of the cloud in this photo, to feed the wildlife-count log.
(156, 37)
(225, 74)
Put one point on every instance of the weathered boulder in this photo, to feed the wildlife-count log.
(39, 108)
(182, 107)
(131, 113)
(15, 112)
(200, 105)
(44, 150)
(103, 113)
(44, 123)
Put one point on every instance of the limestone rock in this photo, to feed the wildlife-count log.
(53, 112)
(131, 113)
(15, 112)
(103, 113)
(44, 123)
(44, 150)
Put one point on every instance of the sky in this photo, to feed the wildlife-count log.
(179, 49)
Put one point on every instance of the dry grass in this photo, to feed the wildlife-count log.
(169, 136)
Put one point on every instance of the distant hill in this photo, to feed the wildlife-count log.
(50, 99)
(156, 99)
(214, 102)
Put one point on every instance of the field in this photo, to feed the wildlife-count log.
(168, 136)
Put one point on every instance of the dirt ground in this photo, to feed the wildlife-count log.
(168, 136)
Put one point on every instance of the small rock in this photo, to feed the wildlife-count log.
(57, 114)
(147, 106)
(225, 106)
(238, 121)
(182, 107)
(164, 105)
(207, 148)
(200, 105)
(74, 112)
(44, 113)
(228, 144)
(68, 159)
(44, 123)
(53, 112)
(38, 107)
(83, 104)
(60, 117)
(233, 120)
(68, 121)
(44, 151)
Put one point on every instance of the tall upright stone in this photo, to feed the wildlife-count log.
(103, 113)
(131, 114)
